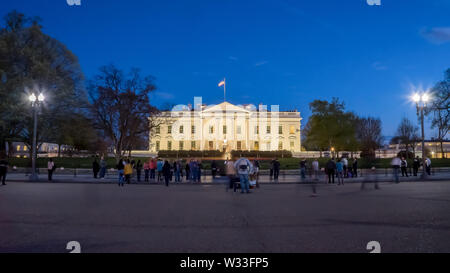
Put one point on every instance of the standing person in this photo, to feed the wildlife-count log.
(355, 167)
(188, 171)
(95, 168)
(159, 167)
(276, 169)
(152, 167)
(103, 166)
(303, 169)
(330, 168)
(340, 171)
(193, 169)
(256, 171)
(271, 168)
(213, 169)
(128, 171)
(416, 165)
(345, 166)
(120, 168)
(395, 163)
(3, 170)
(315, 167)
(177, 171)
(172, 165)
(199, 171)
(230, 172)
(244, 168)
(428, 165)
(50, 169)
(166, 170)
(146, 171)
(138, 168)
(404, 166)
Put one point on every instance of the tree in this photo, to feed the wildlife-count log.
(31, 60)
(369, 134)
(120, 106)
(407, 135)
(330, 127)
(439, 109)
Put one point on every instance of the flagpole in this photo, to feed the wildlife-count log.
(225, 90)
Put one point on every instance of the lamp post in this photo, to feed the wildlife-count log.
(35, 102)
(421, 102)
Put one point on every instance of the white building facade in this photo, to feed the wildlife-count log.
(226, 127)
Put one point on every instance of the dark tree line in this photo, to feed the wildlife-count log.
(116, 113)
(331, 127)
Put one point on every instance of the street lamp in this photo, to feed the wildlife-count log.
(35, 103)
(421, 102)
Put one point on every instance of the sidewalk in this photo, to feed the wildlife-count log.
(263, 179)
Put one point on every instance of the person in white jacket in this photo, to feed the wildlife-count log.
(243, 168)
(50, 169)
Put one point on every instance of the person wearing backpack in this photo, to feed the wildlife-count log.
(244, 168)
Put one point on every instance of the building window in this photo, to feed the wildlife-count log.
(211, 129)
(256, 130)
(181, 129)
(280, 130)
(181, 145)
(292, 130)
(239, 130)
(169, 129)
(193, 145)
(211, 145)
(239, 146)
(268, 130)
(256, 146)
(169, 145)
(158, 146)
(292, 145)
(18, 148)
(25, 148)
(158, 130)
(224, 129)
(280, 146)
(193, 129)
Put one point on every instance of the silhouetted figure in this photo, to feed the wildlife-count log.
(330, 169)
(3, 170)
(416, 166)
(166, 171)
(276, 169)
(95, 168)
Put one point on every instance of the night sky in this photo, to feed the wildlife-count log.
(273, 52)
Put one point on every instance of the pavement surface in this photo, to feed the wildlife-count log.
(44, 217)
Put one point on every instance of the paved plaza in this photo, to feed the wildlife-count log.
(44, 217)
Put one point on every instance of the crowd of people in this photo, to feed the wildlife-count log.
(241, 171)
(400, 164)
(340, 169)
(158, 170)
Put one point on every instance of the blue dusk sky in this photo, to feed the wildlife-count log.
(284, 52)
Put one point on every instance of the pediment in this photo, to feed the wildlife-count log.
(225, 106)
